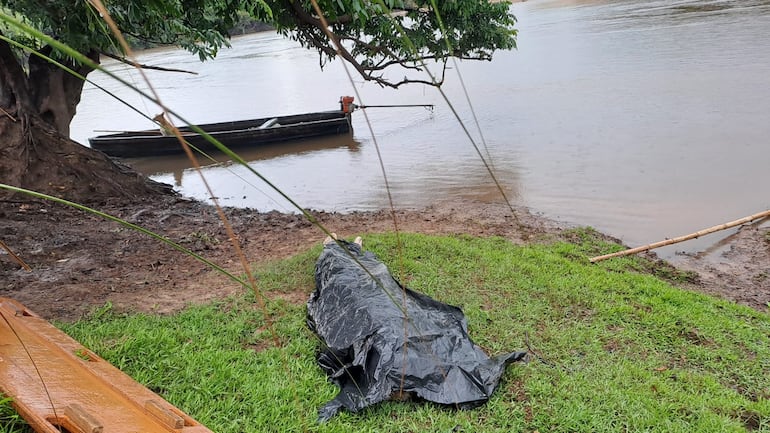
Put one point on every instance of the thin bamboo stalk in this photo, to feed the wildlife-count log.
(695, 235)
(15, 257)
(8, 114)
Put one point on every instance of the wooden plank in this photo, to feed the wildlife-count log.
(72, 387)
(84, 420)
(165, 415)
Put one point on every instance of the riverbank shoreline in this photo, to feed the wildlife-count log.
(81, 262)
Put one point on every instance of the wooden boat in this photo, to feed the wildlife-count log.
(232, 134)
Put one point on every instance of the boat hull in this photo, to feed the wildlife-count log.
(236, 134)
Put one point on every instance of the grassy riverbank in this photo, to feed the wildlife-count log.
(618, 349)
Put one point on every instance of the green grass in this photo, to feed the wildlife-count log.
(620, 349)
(10, 421)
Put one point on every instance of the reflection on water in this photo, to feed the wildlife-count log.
(177, 165)
(646, 119)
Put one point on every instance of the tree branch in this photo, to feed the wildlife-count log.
(302, 15)
(378, 57)
(155, 68)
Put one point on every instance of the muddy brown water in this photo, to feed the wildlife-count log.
(644, 119)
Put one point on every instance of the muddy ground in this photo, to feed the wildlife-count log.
(79, 261)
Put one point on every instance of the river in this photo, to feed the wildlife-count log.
(646, 119)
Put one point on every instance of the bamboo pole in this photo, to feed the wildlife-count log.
(396, 106)
(697, 234)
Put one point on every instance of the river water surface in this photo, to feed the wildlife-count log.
(644, 119)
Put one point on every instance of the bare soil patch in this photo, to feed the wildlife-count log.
(736, 268)
(80, 261)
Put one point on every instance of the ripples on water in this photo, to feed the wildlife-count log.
(644, 119)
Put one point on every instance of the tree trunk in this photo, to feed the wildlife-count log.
(56, 93)
(35, 151)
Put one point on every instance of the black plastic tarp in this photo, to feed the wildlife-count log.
(371, 352)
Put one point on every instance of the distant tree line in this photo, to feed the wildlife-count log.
(246, 24)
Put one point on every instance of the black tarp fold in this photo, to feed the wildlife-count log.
(372, 352)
